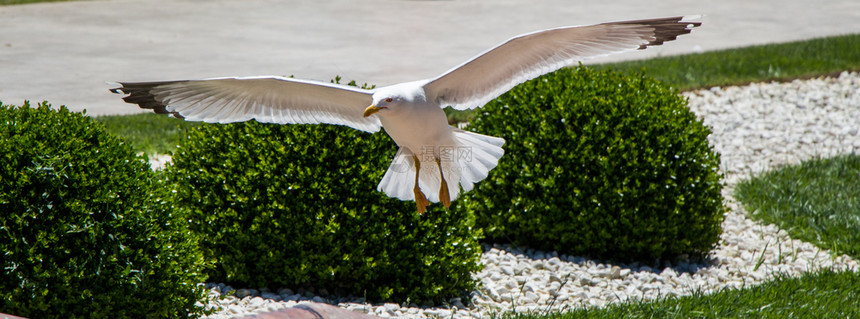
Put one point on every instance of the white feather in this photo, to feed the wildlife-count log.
(266, 99)
(411, 112)
(524, 57)
(471, 161)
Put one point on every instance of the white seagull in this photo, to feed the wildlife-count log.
(433, 157)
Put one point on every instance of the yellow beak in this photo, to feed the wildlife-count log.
(370, 110)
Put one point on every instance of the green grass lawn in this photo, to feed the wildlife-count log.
(817, 201)
(825, 294)
(783, 61)
(150, 133)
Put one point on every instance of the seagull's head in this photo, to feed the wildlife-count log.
(382, 104)
(396, 97)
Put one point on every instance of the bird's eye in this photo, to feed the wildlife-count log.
(388, 100)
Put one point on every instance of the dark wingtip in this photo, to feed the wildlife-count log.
(666, 29)
(140, 93)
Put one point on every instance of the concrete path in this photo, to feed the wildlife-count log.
(65, 52)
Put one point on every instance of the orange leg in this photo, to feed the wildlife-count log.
(420, 200)
(444, 196)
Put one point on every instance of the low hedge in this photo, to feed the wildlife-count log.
(296, 206)
(86, 230)
(602, 164)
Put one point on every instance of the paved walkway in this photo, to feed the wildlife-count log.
(65, 52)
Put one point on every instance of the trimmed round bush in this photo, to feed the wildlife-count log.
(86, 230)
(296, 206)
(599, 164)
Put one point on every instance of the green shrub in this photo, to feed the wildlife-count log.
(599, 164)
(296, 206)
(85, 229)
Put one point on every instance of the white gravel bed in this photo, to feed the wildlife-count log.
(755, 128)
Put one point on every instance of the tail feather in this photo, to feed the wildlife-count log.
(470, 162)
(482, 155)
(400, 177)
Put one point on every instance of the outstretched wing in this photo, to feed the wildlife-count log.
(522, 58)
(265, 99)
